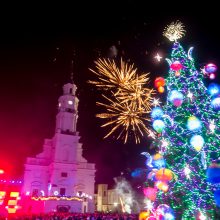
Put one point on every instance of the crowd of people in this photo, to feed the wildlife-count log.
(74, 216)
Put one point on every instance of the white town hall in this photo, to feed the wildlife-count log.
(60, 177)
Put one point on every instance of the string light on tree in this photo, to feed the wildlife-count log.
(187, 171)
(202, 216)
(190, 95)
(212, 126)
(191, 125)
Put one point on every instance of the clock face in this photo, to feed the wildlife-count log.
(70, 102)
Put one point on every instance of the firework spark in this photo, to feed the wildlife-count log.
(124, 118)
(127, 100)
(174, 31)
(124, 82)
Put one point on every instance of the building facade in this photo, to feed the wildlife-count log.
(107, 200)
(60, 170)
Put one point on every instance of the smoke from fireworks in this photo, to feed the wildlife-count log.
(127, 197)
(128, 100)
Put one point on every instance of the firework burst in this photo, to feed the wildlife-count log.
(174, 31)
(129, 101)
(124, 119)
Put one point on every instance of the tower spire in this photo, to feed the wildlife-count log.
(71, 74)
(72, 64)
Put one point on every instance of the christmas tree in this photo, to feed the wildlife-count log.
(183, 177)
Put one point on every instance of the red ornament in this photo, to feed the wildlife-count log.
(176, 66)
(159, 81)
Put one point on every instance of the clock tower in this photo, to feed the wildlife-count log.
(66, 119)
(60, 169)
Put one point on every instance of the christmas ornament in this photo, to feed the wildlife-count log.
(157, 113)
(210, 68)
(176, 66)
(165, 212)
(217, 197)
(160, 89)
(162, 186)
(212, 76)
(213, 173)
(193, 123)
(176, 98)
(215, 103)
(150, 193)
(197, 142)
(159, 81)
(158, 161)
(213, 89)
(144, 215)
(164, 175)
(158, 125)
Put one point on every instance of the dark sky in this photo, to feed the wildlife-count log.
(35, 61)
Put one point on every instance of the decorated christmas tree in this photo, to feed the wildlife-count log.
(183, 171)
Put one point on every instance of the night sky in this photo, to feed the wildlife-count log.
(35, 61)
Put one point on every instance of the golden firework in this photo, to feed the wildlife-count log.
(174, 31)
(124, 119)
(130, 103)
(123, 81)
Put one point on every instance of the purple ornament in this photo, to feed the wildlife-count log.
(210, 68)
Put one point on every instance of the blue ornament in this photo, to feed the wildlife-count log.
(213, 89)
(157, 113)
(165, 212)
(160, 163)
(193, 123)
(174, 94)
(217, 197)
(215, 103)
(158, 125)
(213, 173)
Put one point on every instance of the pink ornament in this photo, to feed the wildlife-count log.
(177, 102)
(150, 193)
(152, 218)
(212, 76)
(176, 66)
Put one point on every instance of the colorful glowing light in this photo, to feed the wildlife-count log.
(193, 123)
(197, 142)
(210, 68)
(158, 126)
(213, 89)
(157, 113)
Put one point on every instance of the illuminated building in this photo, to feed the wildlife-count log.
(60, 174)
